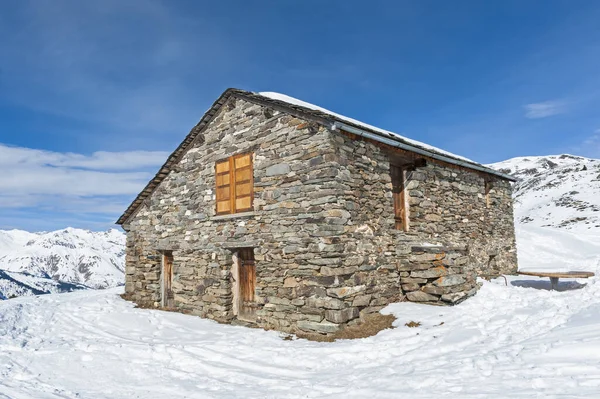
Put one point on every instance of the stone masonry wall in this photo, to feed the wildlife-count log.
(322, 227)
(453, 236)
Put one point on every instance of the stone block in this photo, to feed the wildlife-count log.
(431, 289)
(324, 327)
(341, 316)
(454, 297)
(410, 287)
(447, 281)
(420, 296)
(325, 303)
(290, 282)
(361, 300)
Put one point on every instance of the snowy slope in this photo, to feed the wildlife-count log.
(515, 341)
(93, 259)
(559, 191)
(14, 284)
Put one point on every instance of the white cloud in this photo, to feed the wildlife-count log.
(544, 109)
(100, 183)
(100, 160)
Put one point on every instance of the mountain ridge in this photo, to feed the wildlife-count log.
(59, 261)
(561, 191)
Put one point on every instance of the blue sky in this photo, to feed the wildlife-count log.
(95, 94)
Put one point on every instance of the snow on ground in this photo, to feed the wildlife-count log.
(517, 341)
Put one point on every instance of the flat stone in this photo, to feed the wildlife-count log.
(420, 296)
(427, 257)
(430, 273)
(322, 327)
(447, 281)
(338, 271)
(279, 169)
(454, 297)
(343, 292)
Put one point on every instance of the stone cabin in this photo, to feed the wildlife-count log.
(279, 214)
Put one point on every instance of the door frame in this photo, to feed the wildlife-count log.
(165, 301)
(239, 310)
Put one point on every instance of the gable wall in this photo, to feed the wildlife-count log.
(296, 213)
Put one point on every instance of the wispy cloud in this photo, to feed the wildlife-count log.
(589, 146)
(101, 183)
(80, 65)
(545, 109)
(101, 160)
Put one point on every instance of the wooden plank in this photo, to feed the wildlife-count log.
(569, 274)
(243, 204)
(242, 160)
(223, 207)
(247, 282)
(222, 166)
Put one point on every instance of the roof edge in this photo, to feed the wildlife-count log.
(176, 154)
(398, 142)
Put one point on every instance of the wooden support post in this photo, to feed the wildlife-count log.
(554, 283)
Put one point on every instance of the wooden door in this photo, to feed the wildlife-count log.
(167, 294)
(247, 281)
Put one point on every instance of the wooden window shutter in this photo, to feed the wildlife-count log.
(223, 179)
(235, 184)
(399, 195)
(244, 182)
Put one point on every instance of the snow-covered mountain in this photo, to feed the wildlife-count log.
(59, 261)
(560, 191)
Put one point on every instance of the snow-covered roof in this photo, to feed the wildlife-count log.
(392, 135)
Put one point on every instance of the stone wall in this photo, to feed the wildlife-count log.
(322, 227)
(447, 210)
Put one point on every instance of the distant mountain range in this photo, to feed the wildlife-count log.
(561, 191)
(60, 261)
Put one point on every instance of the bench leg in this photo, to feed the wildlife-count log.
(554, 283)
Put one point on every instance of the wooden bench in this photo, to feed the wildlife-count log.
(554, 276)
